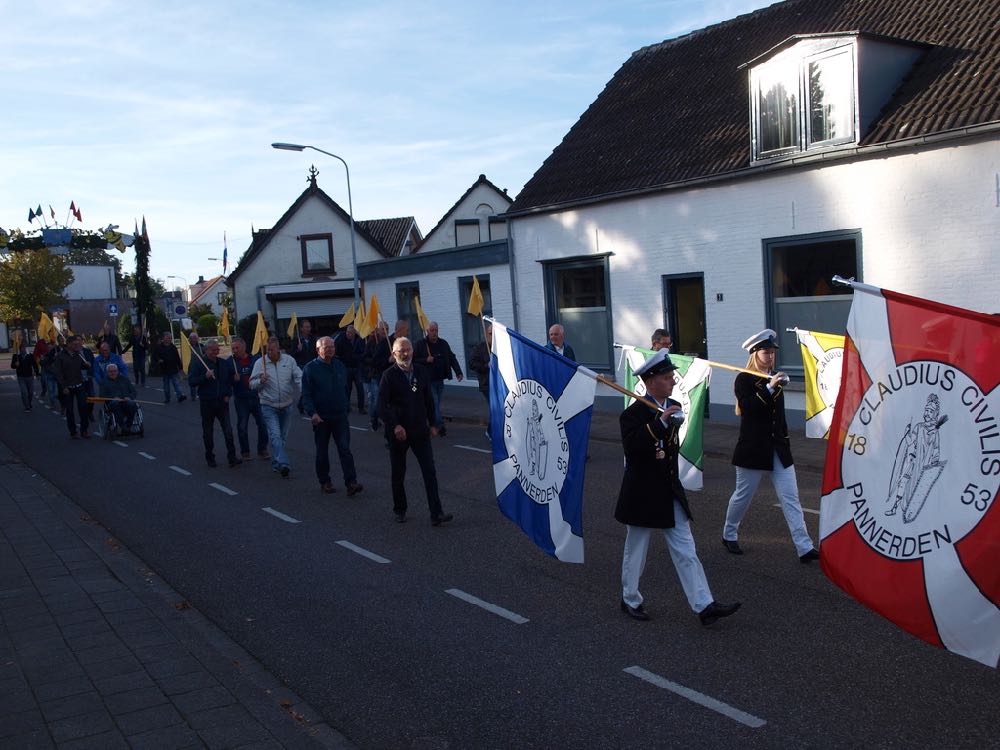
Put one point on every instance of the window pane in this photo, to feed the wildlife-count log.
(317, 255)
(806, 270)
(777, 102)
(580, 287)
(831, 98)
(407, 310)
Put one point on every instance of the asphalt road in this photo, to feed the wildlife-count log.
(371, 621)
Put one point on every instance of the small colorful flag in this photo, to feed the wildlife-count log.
(348, 318)
(371, 320)
(361, 320)
(293, 326)
(52, 212)
(185, 353)
(476, 301)
(421, 315)
(73, 209)
(225, 254)
(31, 215)
(224, 324)
(260, 335)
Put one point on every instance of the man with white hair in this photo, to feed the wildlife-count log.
(278, 380)
(122, 394)
(557, 342)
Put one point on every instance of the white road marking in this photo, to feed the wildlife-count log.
(359, 429)
(279, 514)
(505, 613)
(223, 488)
(119, 442)
(179, 470)
(470, 448)
(146, 455)
(695, 697)
(363, 552)
(804, 509)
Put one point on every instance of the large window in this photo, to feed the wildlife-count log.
(800, 290)
(578, 297)
(317, 253)
(804, 98)
(406, 309)
(472, 327)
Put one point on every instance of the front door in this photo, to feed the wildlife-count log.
(684, 312)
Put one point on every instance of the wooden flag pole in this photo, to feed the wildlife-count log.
(98, 399)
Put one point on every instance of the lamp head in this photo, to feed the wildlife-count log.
(288, 146)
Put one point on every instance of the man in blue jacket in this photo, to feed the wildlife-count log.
(557, 342)
(324, 398)
(214, 380)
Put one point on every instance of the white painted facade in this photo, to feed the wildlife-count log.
(481, 203)
(280, 261)
(91, 282)
(210, 295)
(929, 222)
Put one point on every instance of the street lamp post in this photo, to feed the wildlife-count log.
(350, 204)
(186, 287)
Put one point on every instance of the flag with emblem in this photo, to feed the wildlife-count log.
(909, 522)
(822, 361)
(691, 381)
(540, 410)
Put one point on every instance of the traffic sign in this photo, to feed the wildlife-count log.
(180, 310)
(112, 309)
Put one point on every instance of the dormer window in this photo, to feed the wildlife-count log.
(822, 91)
(804, 98)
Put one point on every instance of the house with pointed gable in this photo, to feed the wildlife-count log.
(209, 292)
(303, 265)
(722, 178)
(469, 240)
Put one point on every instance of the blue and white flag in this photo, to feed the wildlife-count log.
(540, 409)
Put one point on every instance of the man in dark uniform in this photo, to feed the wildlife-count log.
(763, 446)
(652, 497)
(407, 409)
(435, 354)
(303, 351)
(214, 378)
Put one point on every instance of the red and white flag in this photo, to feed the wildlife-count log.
(909, 521)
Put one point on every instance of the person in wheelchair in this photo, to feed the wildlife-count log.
(122, 394)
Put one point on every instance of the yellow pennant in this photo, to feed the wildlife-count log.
(293, 325)
(421, 315)
(476, 301)
(348, 318)
(260, 334)
(185, 353)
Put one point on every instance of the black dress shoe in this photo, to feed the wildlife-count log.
(400, 517)
(443, 518)
(211, 463)
(714, 611)
(733, 547)
(636, 613)
(809, 556)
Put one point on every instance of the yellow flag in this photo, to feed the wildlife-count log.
(185, 353)
(293, 324)
(476, 298)
(348, 318)
(371, 322)
(360, 320)
(17, 341)
(260, 334)
(421, 315)
(822, 360)
(224, 324)
(45, 326)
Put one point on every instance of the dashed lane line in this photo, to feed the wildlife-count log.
(804, 509)
(146, 455)
(695, 697)
(363, 552)
(179, 470)
(119, 442)
(223, 488)
(470, 448)
(279, 514)
(359, 429)
(497, 610)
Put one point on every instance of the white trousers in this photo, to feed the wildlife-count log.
(682, 552)
(787, 490)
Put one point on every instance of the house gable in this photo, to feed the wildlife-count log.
(473, 219)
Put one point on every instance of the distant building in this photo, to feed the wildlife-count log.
(209, 292)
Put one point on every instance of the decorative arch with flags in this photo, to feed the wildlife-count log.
(909, 521)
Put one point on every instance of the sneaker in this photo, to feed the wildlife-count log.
(353, 489)
(328, 488)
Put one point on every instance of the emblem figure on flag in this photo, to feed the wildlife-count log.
(538, 446)
(918, 465)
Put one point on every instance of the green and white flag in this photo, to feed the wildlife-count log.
(691, 389)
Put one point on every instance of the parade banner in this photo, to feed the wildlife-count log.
(822, 360)
(691, 380)
(540, 410)
(909, 521)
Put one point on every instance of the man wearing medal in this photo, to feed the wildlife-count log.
(652, 497)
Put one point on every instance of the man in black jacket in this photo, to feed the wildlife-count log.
(72, 370)
(436, 356)
(406, 407)
(351, 351)
(214, 380)
(169, 361)
(479, 363)
(377, 359)
(652, 497)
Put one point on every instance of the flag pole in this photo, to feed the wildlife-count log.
(713, 363)
(856, 285)
(97, 399)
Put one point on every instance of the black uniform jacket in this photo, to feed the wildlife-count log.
(405, 403)
(650, 485)
(763, 431)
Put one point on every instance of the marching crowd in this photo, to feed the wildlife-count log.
(399, 387)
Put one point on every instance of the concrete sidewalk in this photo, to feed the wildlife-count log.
(97, 652)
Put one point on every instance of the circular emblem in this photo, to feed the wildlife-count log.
(940, 431)
(535, 436)
(828, 370)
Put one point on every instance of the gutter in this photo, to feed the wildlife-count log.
(839, 154)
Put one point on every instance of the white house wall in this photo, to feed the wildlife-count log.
(91, 282)
(929, 221)
(280, 262)
(444, 235)
(439, 297)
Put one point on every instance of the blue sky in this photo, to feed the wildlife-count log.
(167, 109)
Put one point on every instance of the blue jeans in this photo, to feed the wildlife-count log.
(340, 430)
(245, 407)
(27, 386)
(52, 389)
(276, 421)
(354, 382)
(373, 401)
(437, 390)
(169, 380)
